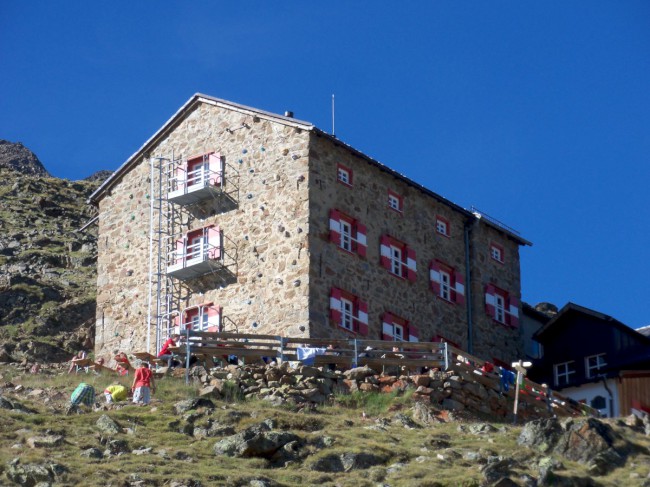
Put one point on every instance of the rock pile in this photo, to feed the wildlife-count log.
(304, 384)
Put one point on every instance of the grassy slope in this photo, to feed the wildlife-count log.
(49, 285)
(155, 428)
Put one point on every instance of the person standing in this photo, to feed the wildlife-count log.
(143, 384)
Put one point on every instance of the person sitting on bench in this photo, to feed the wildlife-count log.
(164, 353)
(80, 357)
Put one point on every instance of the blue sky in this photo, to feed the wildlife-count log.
(538, 113)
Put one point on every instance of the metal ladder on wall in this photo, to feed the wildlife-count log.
(166, 220)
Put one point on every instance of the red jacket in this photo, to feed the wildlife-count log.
(164, 350)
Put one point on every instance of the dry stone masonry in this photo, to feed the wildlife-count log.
(290, 277)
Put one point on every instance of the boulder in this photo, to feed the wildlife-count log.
(28, 475)
(92, 453)
(116, 447)
(47, 441)
(14, 406)
(359, 373)
(587, 441)
(248, 444)
(108, 425)
(189, 404)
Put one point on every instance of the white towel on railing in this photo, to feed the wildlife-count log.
(307, 355)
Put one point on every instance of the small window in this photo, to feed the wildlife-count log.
(205, 317)
(564, 373)
(499, 308)
(397, 329)
(347, 233)
(442, 226)
(398, 332)
(347, 314)
(594, 364)
(395, 201)
(496, 252)
(346, 236)
(446, 282)
(445, 285)
(344, 175)
(396, 260)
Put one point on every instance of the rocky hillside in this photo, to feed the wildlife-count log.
(190, 437)
(47, 266)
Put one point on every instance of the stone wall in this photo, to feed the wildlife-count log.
(493, 340)
(266, 230)
(278, 229)
(364, 277)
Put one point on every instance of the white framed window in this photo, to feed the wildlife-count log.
(398, 332)
(564, 372)
(396, 262)
(344, 175)
(395, 201)
(347, 314)
(346, 235)
(195, 246)
(445, 285)
(197, 171)
(593, 364)
(499, 308)
(442, 226)
(199, 321)
(496, 252)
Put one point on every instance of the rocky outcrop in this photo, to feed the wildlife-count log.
(585, 440)
(47, 267)
(17, 157)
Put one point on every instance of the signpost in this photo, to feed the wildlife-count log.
(521, 368)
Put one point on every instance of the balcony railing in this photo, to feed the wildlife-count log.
(194, 260)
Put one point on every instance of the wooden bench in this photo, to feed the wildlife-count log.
(217, 346)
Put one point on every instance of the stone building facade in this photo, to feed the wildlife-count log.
(303, 236)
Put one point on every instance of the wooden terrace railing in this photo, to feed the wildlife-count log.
(410, 357)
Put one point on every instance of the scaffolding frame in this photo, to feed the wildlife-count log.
(169, 219)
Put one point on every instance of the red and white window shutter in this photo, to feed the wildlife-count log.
(362, 317)
(501, 306)
(335, 306)
(354, 242)
(490, 300)
(214, 241)
(446, 282)
(411, 264)
(514, 312)
(215, 166)
(394, 328)
(359, 311)
(405, 264)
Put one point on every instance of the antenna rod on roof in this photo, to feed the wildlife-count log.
(333, 132)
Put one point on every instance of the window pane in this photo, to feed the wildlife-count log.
(346, 236)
